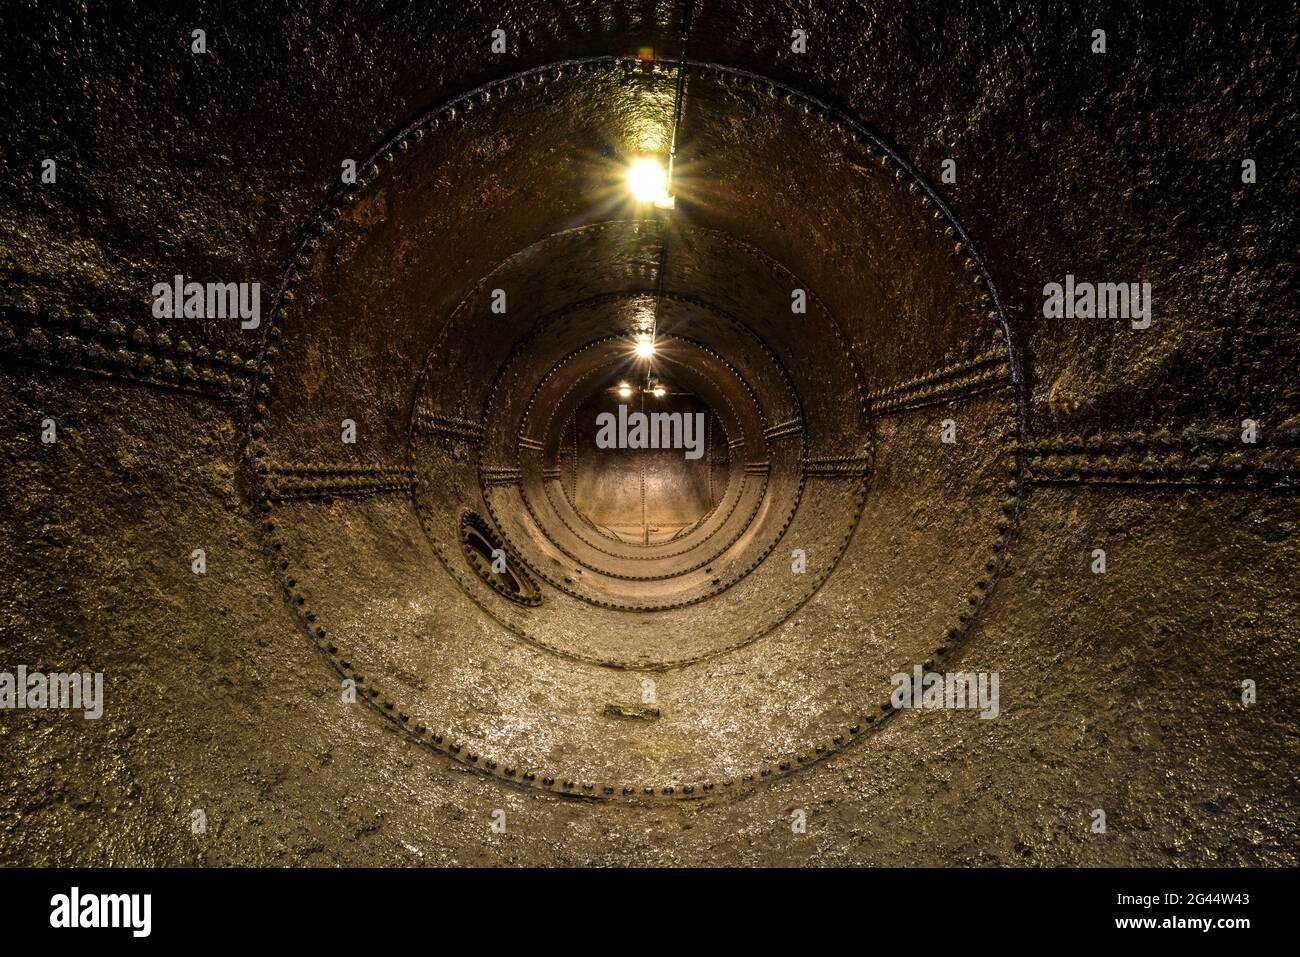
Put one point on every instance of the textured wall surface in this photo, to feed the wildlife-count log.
(334, 565)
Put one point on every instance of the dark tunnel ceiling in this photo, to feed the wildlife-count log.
(519, 187)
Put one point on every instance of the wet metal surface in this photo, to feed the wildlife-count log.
(627, 698)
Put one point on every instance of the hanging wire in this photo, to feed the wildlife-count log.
(688, 9)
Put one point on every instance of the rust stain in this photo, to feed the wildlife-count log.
(313, 373)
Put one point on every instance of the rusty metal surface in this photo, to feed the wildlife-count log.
(332, 561)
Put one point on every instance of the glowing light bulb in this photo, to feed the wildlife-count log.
(648, 182)
(645, 345)
(660, 392)
(624, 390)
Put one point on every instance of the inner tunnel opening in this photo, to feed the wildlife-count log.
(643, 466)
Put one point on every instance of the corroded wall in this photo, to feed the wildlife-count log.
(333, 566)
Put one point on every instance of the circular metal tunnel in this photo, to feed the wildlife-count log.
(467, 350)
(430, 591)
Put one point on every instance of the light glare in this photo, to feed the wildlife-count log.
(648, 182)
